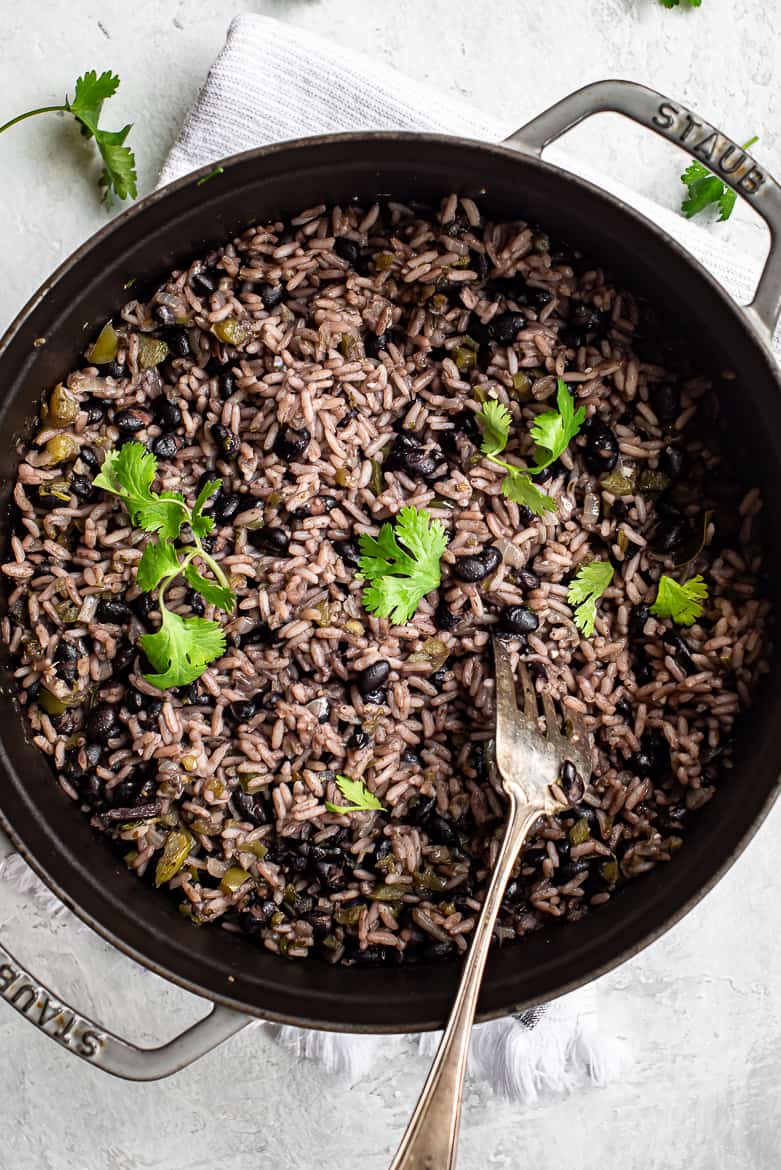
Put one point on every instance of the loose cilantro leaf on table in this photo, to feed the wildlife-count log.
(705, 189)
(358, 794)
(118, 176)
(675, 3)
(183, 647)
(681, 603)
(585, 590)
(401, 564)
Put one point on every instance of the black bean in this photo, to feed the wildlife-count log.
(270, 540)
(227, 443)
(167, 413)
(349, 551)
(619, 509)
(47, 496)
(642, 667)
(134, 701)
(227, 505)
(671, 461)
(444, 619)
(624, 709)
(409, 455)
(195, 602)
(251, 807)
(165, 314)
(346, 418)
(411, 758)
(665, 401)
(144, 605)
(271, 294)
(259, 635)
(102, 724)
(93, 409)
(571, 783)
(475, 568)
(421, 810)
(518, 620)
(81, 485)
(377, 696)
(586, 324)
(138, 788)
(129, 422)
(438, 678)
(204, 282)
(88, 456)
(479, 263)
(92, 754)
(373, 676)
(347, 249)
(332, 876)
(226, 384)
(672, 533)
(526, 295)
(290, 444)
(537, 671)
(242, 710)
(601, 450)
(178, 342)
(376, 343)
(165, 447)
(153, 706)
(66, 651)
(505, 327)
(436, 952)
(190, 696)
(440, 829)
(112, 612)
(358, 739)
(653, 759)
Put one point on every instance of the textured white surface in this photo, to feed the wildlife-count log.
(702, 1007)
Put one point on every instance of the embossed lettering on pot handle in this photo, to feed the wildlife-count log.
(672, 120)
(94, 1044)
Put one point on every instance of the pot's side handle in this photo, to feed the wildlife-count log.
(96, 1045)
(703, 142)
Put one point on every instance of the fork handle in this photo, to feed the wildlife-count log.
(431, 1139)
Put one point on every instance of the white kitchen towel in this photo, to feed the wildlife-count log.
(273, 82)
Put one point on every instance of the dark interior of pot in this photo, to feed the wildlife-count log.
(145, 244)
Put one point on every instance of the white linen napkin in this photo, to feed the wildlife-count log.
(273, 82)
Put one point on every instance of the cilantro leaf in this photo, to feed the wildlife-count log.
(128, 473)
(158, 560)
(164, 513)
(181, 649)
(675, 3)
(705, 189)
(585, 589)
(518, 486)
(494, 419)
(200, 524)
(118, 176)
(554, 430)
(357, 793)
(400, 574)
(215, 594)
(680, 602)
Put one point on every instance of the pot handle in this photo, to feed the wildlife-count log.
(703, 142)
(96, 1045)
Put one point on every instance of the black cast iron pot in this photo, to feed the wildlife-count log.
(163, 231)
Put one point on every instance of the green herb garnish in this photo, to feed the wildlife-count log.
(675, 3)
(585, 590)
(119, 165)
(495, 420)
(554, 430)
(402, 564)
(183, 647)
(358, 794)
(211, 175)
(705, 189)
(681, 603)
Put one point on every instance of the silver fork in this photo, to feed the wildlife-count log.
(529, 762)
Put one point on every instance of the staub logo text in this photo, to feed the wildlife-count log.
(34, 1002)
(719, 153)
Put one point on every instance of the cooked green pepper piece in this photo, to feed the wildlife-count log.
(383, 261)
(256, 848)
(231, 331)
(617, 484)
(579, 833)
(465, 358)
(430, 880)
(348, 915)
(54, 494)
(63, 406)
(522, 386)
(175, 852)
(653, 481)
(104, 348)
(151, 351)
(376, 483)
(233, 879)
(386, 893)
(62, 449)
(50, 703)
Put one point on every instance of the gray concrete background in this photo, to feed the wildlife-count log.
(701, 1009)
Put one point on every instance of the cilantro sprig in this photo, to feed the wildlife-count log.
(585, 590)
(182, 648)
(118, 176)
(680, 603)
(552, 431)
(358, 794)
(401, 564)
(705, 190)
(675, 3)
